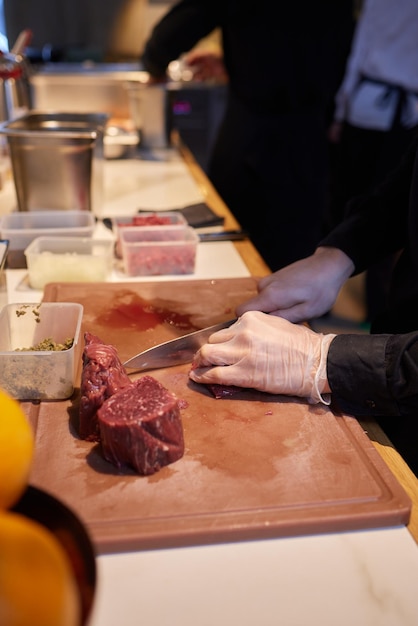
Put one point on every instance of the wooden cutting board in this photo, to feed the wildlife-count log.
(255, 465)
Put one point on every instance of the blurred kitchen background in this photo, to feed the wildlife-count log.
(110, 32)
(91, 34)
(79, 30)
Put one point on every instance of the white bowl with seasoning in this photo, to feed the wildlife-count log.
(39, 349)
(68, 259)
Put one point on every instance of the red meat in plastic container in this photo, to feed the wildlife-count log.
(159, 226)
(145, 254)
(141, 428)
(102, 376)
(151, 220)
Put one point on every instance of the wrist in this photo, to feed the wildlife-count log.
(320, 386)
(336, 264)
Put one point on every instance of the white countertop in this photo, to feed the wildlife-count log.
(359, 578)
(366, 578)
(160, 184)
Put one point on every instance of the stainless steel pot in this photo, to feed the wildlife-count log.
(57, 160)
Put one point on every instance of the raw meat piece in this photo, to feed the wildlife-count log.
(224, 391)
(140, 427)
(103, 375)
(151, 220)
(156, 258)
(219, 391)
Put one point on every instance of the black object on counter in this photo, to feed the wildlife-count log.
(200, 214)
(224, 235)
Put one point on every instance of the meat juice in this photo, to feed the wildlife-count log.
(144, 316)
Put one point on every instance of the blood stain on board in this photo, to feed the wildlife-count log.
(128, 310)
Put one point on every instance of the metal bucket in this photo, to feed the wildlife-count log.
(57, 160)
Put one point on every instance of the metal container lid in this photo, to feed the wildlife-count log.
(68, 125)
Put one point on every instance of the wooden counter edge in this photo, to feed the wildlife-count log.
(397, 465)
(257, 267)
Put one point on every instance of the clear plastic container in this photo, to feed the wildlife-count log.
(28, 374)
(153, 224)
(154, 253)
(23, 227)
(68, 259)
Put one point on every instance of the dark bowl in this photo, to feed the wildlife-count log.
(42, 507)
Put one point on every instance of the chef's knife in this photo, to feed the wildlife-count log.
(175, 351)
(224, 235)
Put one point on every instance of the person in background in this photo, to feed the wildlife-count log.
(372, 374)
(376, 114)
(269, 162)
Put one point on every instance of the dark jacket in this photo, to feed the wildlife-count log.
(383, 222)
(275, 61)
(377, 374)
(285, 61)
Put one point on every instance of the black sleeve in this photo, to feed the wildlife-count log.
(375, 375)
(376, 224)
(178, 31)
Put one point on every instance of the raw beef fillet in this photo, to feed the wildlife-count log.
(140, 427)
(103, 375)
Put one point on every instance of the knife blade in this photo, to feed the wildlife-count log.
(175, 351)
(224, 235)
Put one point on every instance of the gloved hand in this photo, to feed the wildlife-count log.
(267, 353)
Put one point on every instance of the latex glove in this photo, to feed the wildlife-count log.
(267, 353)
(303, 290)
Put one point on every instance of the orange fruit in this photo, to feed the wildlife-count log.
(16, 450)
(37, 584)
